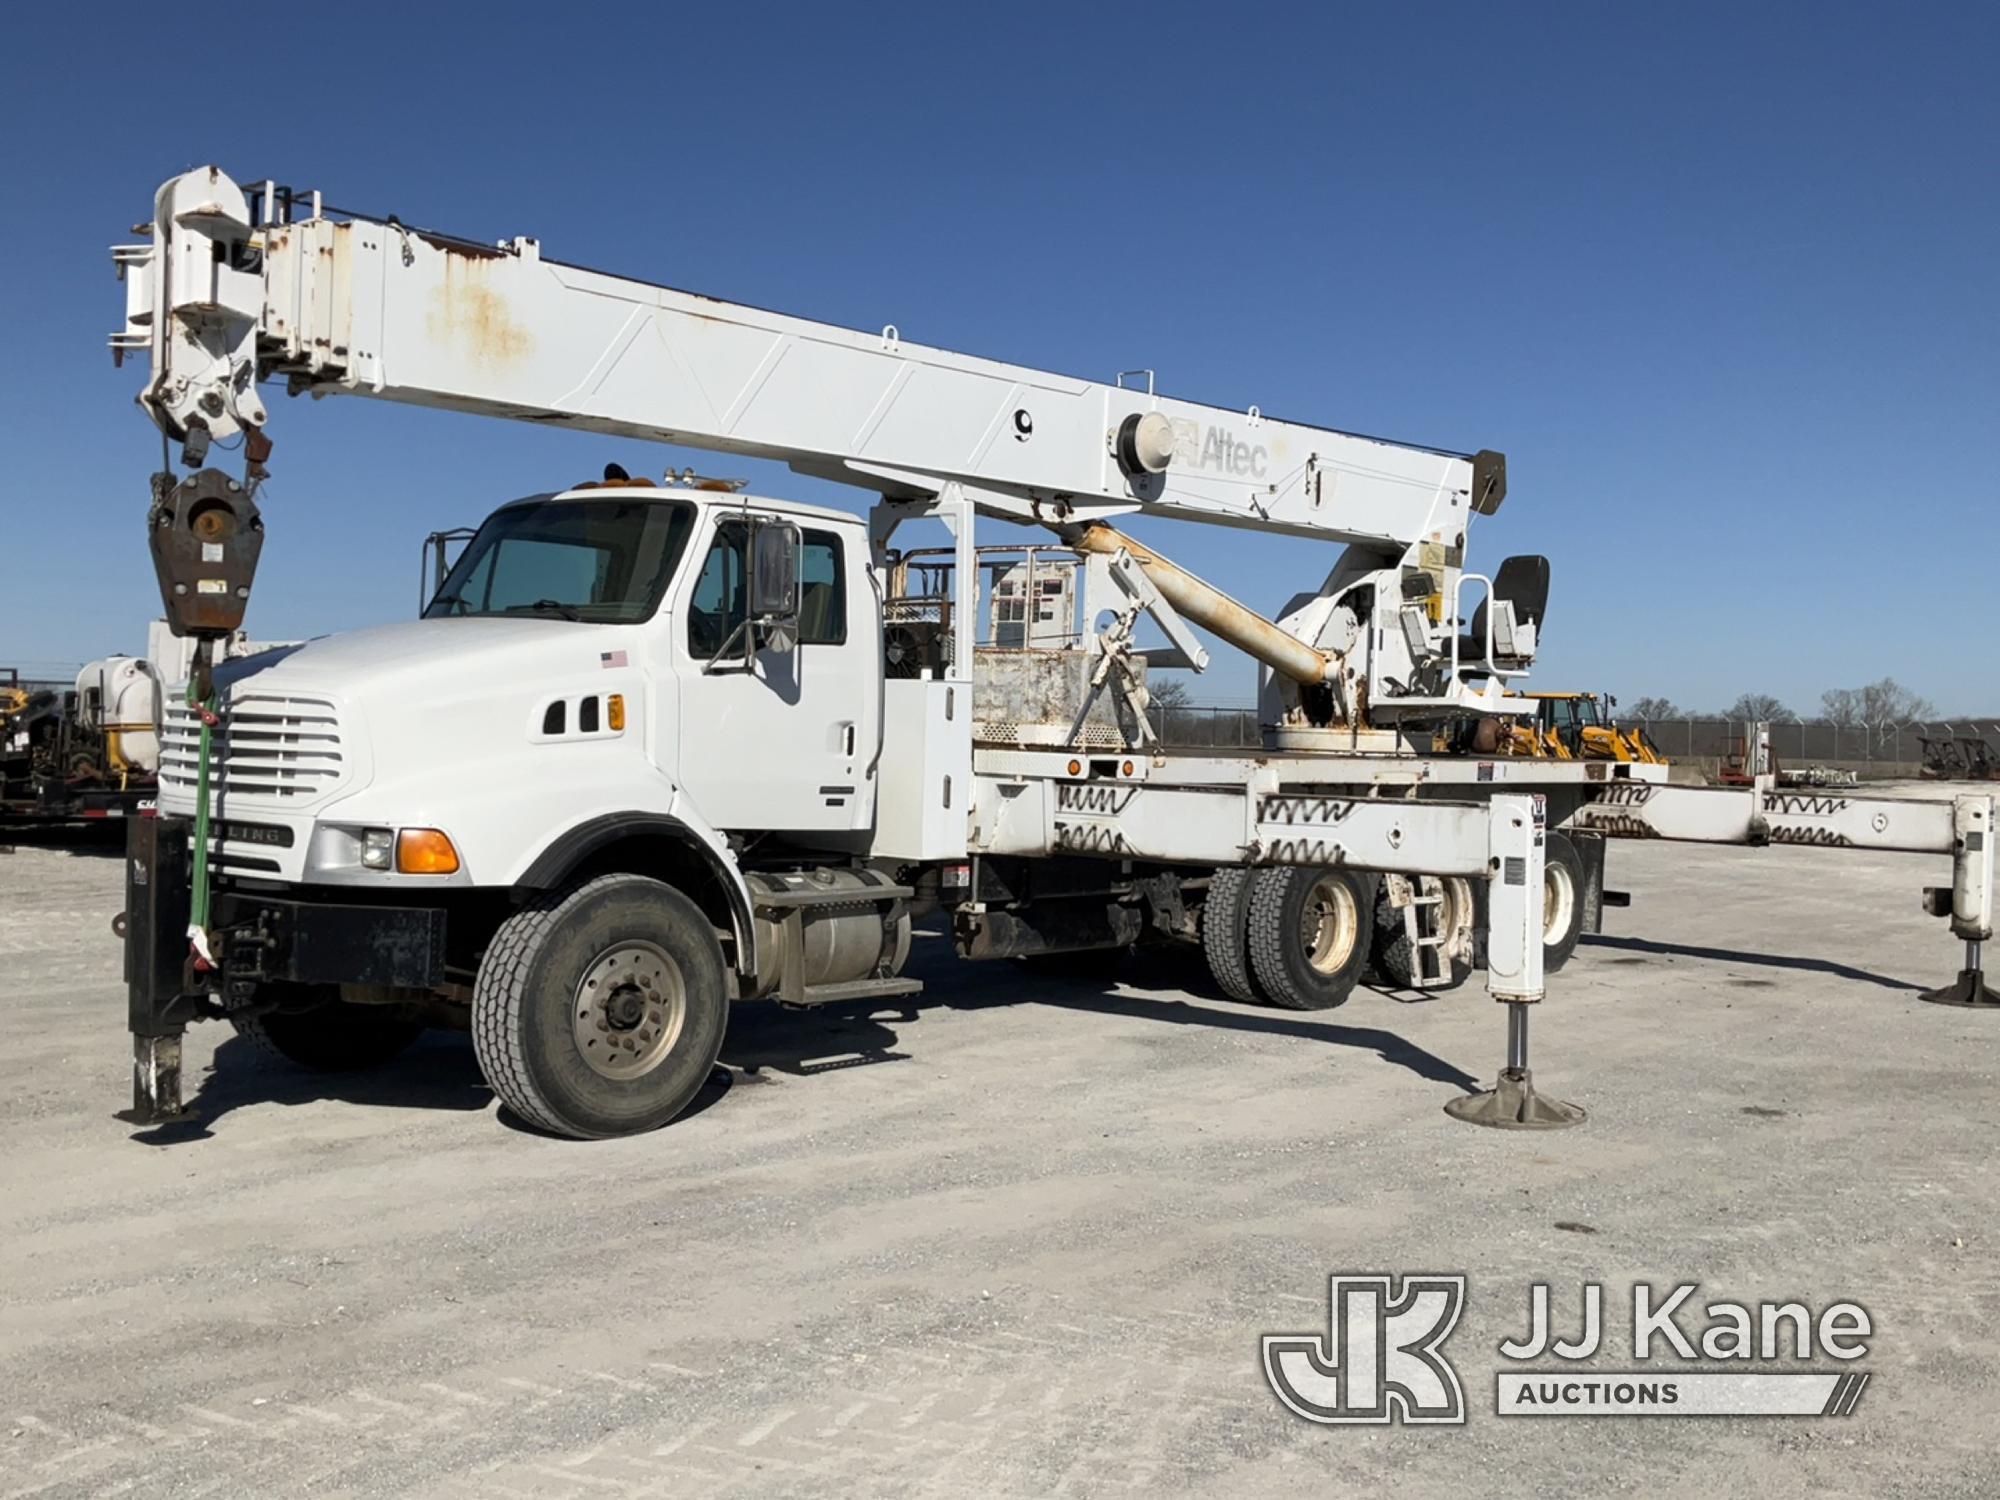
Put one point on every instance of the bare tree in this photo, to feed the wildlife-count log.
(1168, 692)
(1878, 703)
(1655, 708)
(1889, 702)
(1751, 707)
(1841, 707)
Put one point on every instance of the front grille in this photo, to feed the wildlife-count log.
(270, 747)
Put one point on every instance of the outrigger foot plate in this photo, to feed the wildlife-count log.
(1970, 989)
(1513, 1104)
(156, 1081)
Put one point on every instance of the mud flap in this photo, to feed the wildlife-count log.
(1590, 849)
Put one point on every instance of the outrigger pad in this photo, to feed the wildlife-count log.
(1513, 1104)
(1970, 989)
(156, 1082)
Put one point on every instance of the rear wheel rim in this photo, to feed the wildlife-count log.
(629, 1010)
(1332, 924)
(1454, 911)
(1558, 902)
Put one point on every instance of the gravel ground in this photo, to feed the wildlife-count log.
(1018, 1239)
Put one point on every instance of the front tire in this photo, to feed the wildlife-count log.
(1309, 934)
(600, 1010)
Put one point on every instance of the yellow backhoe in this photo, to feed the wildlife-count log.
(1578, 726)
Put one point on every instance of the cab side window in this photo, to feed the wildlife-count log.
(720, 595)
(822, 590)
(717, 604)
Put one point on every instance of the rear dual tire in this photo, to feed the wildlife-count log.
(1395, 956)
(1562, 901)
(1289, 937)
(1302, 938)
(1309, 934)
(1563, 884)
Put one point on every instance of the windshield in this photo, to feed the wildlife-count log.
(605, 560)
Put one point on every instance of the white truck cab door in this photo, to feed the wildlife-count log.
(789, 744)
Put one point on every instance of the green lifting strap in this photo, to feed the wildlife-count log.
(198, 896)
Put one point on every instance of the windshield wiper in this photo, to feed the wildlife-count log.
(552, 606)
(463, 607)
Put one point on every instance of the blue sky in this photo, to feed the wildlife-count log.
(1719, 280)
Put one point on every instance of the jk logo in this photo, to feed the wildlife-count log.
(1379, 1361)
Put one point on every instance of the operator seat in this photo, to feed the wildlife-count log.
(1521, 583)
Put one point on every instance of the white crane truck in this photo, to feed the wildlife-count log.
(653, 747)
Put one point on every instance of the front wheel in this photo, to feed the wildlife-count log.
(599, 1010)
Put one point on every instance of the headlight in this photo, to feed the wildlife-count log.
(377, 845)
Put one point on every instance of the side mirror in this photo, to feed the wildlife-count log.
(774, 585)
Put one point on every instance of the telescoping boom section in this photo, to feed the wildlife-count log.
(238, 287)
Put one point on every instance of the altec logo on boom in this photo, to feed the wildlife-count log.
(1381, 1358)
(1200, 447)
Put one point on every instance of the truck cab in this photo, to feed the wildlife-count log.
(624, 681)
(590, 652)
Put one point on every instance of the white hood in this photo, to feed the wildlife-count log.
(384, 658)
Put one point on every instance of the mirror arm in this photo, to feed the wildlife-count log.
(749, 661)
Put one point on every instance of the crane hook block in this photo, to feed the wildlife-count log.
(206, 535)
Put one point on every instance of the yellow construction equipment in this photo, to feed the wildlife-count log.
(1578, 726)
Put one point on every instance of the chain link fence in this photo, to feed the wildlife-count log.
(1206, 728)
(1893, 749)
(1962, 746)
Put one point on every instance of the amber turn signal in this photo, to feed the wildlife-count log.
(425, 851)
(614, 712)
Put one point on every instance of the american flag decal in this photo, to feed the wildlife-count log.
(612, 659)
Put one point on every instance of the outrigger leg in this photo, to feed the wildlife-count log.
(1970, 988)
(1512, 1103)
(1968, 902)
(159, 1002)
(1514, 931)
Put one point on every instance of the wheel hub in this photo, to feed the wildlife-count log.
(1332, 925)
(629, 1009)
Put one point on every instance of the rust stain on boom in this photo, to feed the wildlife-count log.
(466, 310)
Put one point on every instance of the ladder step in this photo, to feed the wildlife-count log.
(811, 897)
(857, 989)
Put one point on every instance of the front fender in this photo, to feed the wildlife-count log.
(572, 849)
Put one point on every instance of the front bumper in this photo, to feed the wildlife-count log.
(301, 937)
(319, 942)
(306, 936)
